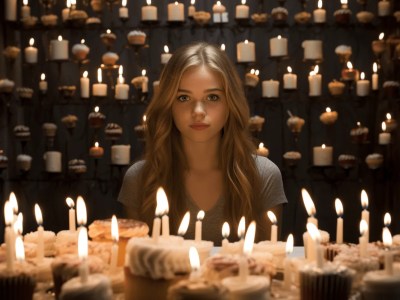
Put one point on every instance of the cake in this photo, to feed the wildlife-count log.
(336, 88)
(80, 51)
(255, 287)
(49, 20)
(136, 38)
(77, 166)
(109, 58)
(66, 242)
(19, 284)
(292, 157)
(97, 5)
(24, 92)
(302, 17)
(347, 161)
(201, 17)
(49, 238)
(78, 17)
(198, 289)
(24, 162)
(276, 249)
(113, 131)
(328, 117)
(67, 91)
(391, 88)
(374, 160)
(96, 119)
(251, 78)
(255, 123)
(97, 287)
(69, 121)
(259, 18)
(11, 52)
(49, 129)
(279, 14)
(108, 38)
(93, 22)
(342, 16)
(29, 22)
(295, 124)
(359, 134)
(344, 52)
(6, 85)
(22, 132)
(379, 285)
(100, 231)
(365, 17)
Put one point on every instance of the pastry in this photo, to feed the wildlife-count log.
(251, 78)
(136, 38)
(359, 134)
(256, 123)
(24, 162)
(97, 287)
(108, 38)
(140, 131)
(69, 121)
(344, 52)
(328, 117)
(49, 20)
(302, 17)
(202, 17)
(374, 160)
(113, 131)
(259, 18)
(29, 22)
(67, 91)
(342, 16)
(96, 119)
(77, 166)
(109, 58)
(97, 5)
(391, 88)
(19, 284)
(80, 51)
(25, 93)
(336, 88)
(49, 238)
(347, 161)
(78, 17)
(365, 17)
(292, 157)
(279, 14)
(379, 285)
(49, 129)
(11, 52)
(6, 85)
(3, 161)
(22, 132)
(295, 124)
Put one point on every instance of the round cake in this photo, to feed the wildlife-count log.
(365, 17)
(98, 287)
(24, 162)
(279, 14)
(109, 58)
(347, 161)
(374, 160)
(22, 132)
(336, 88)
(136, 38)
(108, 38)
(96, 119)
(49, 238)
(342, 16)
(80, 51)
(295, 124)
(256, 123)
(49, 129)
(378, 285)
(113, 131)
(292, 158)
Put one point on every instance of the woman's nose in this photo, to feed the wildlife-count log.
(199, 110)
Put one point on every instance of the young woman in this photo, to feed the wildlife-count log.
(199, 150)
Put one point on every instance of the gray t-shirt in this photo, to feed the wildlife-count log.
(272, 194)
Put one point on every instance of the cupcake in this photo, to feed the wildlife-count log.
(22, 132)
(262, 150)
(136, 38)
(292, 158)
(347, 161)
(251, 78)
(69, 121)
(29, 22)
(78, 17)
(96, 119)
(342, 16)
(97, 287)
(259, 18)
(11, 52)
(24, 162)
(108, 38)
(295, 124)
(80, 51)
(25, 93)
(279, 14)
(344, 52)
(113, 131)
(302, 17)
(380, 285)
(256, 123)
(67, 91)
(336, 88)
(49, 20)
(6, 85)
(391, 89)
(109, 58)
(374, 160)
(93, 22)
(365, 17)
(328, 117)
(359, 134)
(49, 129)
(198, 289)
(19, 284)
(77, 166)
(201, 17)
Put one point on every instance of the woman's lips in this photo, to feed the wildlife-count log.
(199, 126)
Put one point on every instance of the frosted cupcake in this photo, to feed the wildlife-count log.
(77, 166)
(25, 93)
(279, 14)
(80, 51)
(136, 38)
(49, 238)
(113, 131)
(11, 52)
(69, 121)
(259, 18)
(19, 284)
(365, 17)
(96, 119)
(108, 38)
(256, 123)
(302, 17)
(6, 86)
(109, 58)
(342, 16)
(201, 17)
(347, 161)
(336, 88)
(359, 134)
(292, 158)
(344, 52)
(391, 88)
(328, 117)
(49, 129)
(379, 285)
(22, 132)
(374, 160)
(24, 162)
(97, 287)
(295, 124)
(251, 78)
(49, 20)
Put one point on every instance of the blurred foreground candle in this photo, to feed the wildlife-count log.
(85, 85)
(81, 214)
(339, 223)
(247, 249)
(384, 8)
(363, 242)
(66, 11)
(19, 249)
(362, 86)
(246, 51)
(25, 9)
(311, 211)
(149, 12)
(40, 230)
(387, 220)
(71, 213)
(379, 46)
(225, 234)
(183, 227)
(8, 236)
(289, 80)
(123, 10)
(164, 202)
(191, 8)
(387, 242)
(322, 156)
(194, 263)
(278, 46)
(319, 14)
(316, 238)
(43, 83)
(384, 137)
(83, 254)
(121, 88)
(365, 212)
(242, 11)
(99, 89)
(165, 57)
(198, 227)
(59, 49)
(270, 88)
(114, 247)
(274, 226)
(157, 221)
(287, 277)
(314, 82)
(176, 12)
(31, 52)
(375, 77)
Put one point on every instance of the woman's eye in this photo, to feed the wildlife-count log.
(213, 97)
(183, 98)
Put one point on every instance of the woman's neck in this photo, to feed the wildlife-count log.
(202, 156)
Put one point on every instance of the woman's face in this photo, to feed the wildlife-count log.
(199, 109)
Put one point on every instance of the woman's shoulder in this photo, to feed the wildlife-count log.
(265, 165)
(135, 169)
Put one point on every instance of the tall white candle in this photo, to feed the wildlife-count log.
(314, 82)
(162, 199)
(246, 51)
(375, 77)
(274, 226)
(198, 227)
(149, 12)
(319, 14)
(83, 253)
(225, 234)
(289, 80)
(85, 85)
(316, 238)
(120, 155)
(287, 283)
(114, 247)
(278, 46)
(270, 88)
(43, 83)
(339, 224)
(384, 137)
(11, 10)
(71, 214)
(123, 10)
(121, 88)
(362, 86)
(157, 221)
(8, 216)
(176, 12)
(165, 57)
(247, 249)
(31, 52)
(40, 230)
(242, 11)
(363, 242)
(322, 156)
(387, 242)
(365, 212)
(145, 82)
(99, 89)
(59, 49)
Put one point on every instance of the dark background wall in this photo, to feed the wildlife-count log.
(100, 185)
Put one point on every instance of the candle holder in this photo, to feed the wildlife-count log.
(137, 48)
(243, 22)
(150, 23)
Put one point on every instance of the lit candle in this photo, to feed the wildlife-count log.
(14, 206)
(246, 51)
(19, 249)
(121, 88)
(241, 230)
(344, 3)
(8, 236)
(225, 234)
(322, 156)
(289, 80)
(349, 73)
(365, 212)
(311, 211)
(262, 151)
(114, 247)
(183, 227)
(40, 230)
(384, 137)
(18, 225)
(194, 263)
(99, 89)
(96, 151)
(270, 88)
(43, 83)
(339, 223)
(379, 46)
(387, 220)
(145, 82)
(59, 49)
(387, 242)
(391, 124)
(81, 214)
(218, 8)
(157, 221)
(25, 10)
(123, 10)
(274, 226)
(319, 14)
(66, 11)
(71, 213)
(362, 87)
(242, 11)
(83, 253)
(164, 202)
(149, 12)
(11, 10)
(314, 82)
(316, 238)
(278, 46)
(222, 47)
(198, 227)
(328, 117)
(166, 55)
(31, 53)
(384, 8)
(247, 249)
(176, 12)
(363, 242)
(375, 77)
(85, 85)
(287, 269)
(191, 8)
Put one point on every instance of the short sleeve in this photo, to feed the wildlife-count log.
(272, 192)
(129, 192)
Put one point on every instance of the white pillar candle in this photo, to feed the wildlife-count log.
(59, 49)
(242, 11)
(319, 14)
(363, 241)
(25, 9)
(83, 253)
(85, 85)
(149, 12)
(339, 223)
(225, 234)
(365, 212)
(198, 226)
(156, 228)
(114, 247)
(31, 53)
(165, 225)
(274, 226)
(270, 88)
(121, 88)
(322, 156)
(375, 77)
(99, 89)
(11, 10)
(176, 12)
(40, 231)
(8, 239)
(145, 82)
(165, 57)
(312, 49)
(287, 269)
(120, 154)
(384, 8)
(123, 10)
(246, 51)
(316, 240)
(362, 86)
(315, 83)
(71, 214)
(384, 137)
(289, 80)
(387, 242)
(191, 8)
(278, 46)
(43, 83)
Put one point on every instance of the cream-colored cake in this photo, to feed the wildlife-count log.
(49, 20)
(22, 132)
(113, 131)
(97, 287)
(336, 88)
(328, 117)
(344, 52)
(110, 58)
(255, 287)
(255, 123)
(295, 124)
(24, 162)
(11, 52)
(136, 38)
(49, 238)
(374, 160)
(359, 134)
(292, 157)
(80, 51)
(108, 38)
(365, 17)
(49, 129)
(347, 161)
(69, 121)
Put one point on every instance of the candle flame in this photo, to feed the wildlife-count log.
(388, 116)
(85, 74)
(176, 3)
(289, 69)
(249, 238)
(60, 38)
(375, 67)
(338, 207)
(364, 199)
(162, 201)
(144, 72)
(363, 227)
(387, 219)
(362, 76)
(148, 2)
(314, 232)
(319, 4)
(343, 1)
(81, 214)
(323, 146)
(82, 243)
(261, 145)
(183, 227)
(144, 118)
(192, 2)
(257, 72)
(381, 36)
(38, 215)
(223, 47)
(242, 227)
(252, 71)
(358, 124)
(108, 31)
(218, 2)
(349, 65)
(120, 70)
(225, 230)
(13, 202)
(328, 109)
(43, 77)
(316, 69)
(68, 4)
(82, 41)
(387, 237)
(246, 41)
(383, 126)
(18, 225)
(200, 215)
(19, 249)
(166, 49)
(25, 2)
(96, 144)
(289, 244)
(99, 75)
(114, 229)
(124, 2)
(70, 202)
(272, 217)
(194, 259)
(308, 203)
(96, 109)
(31, 41)
(8, 213)
(243, 2)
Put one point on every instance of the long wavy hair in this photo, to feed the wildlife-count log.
(165, 161)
